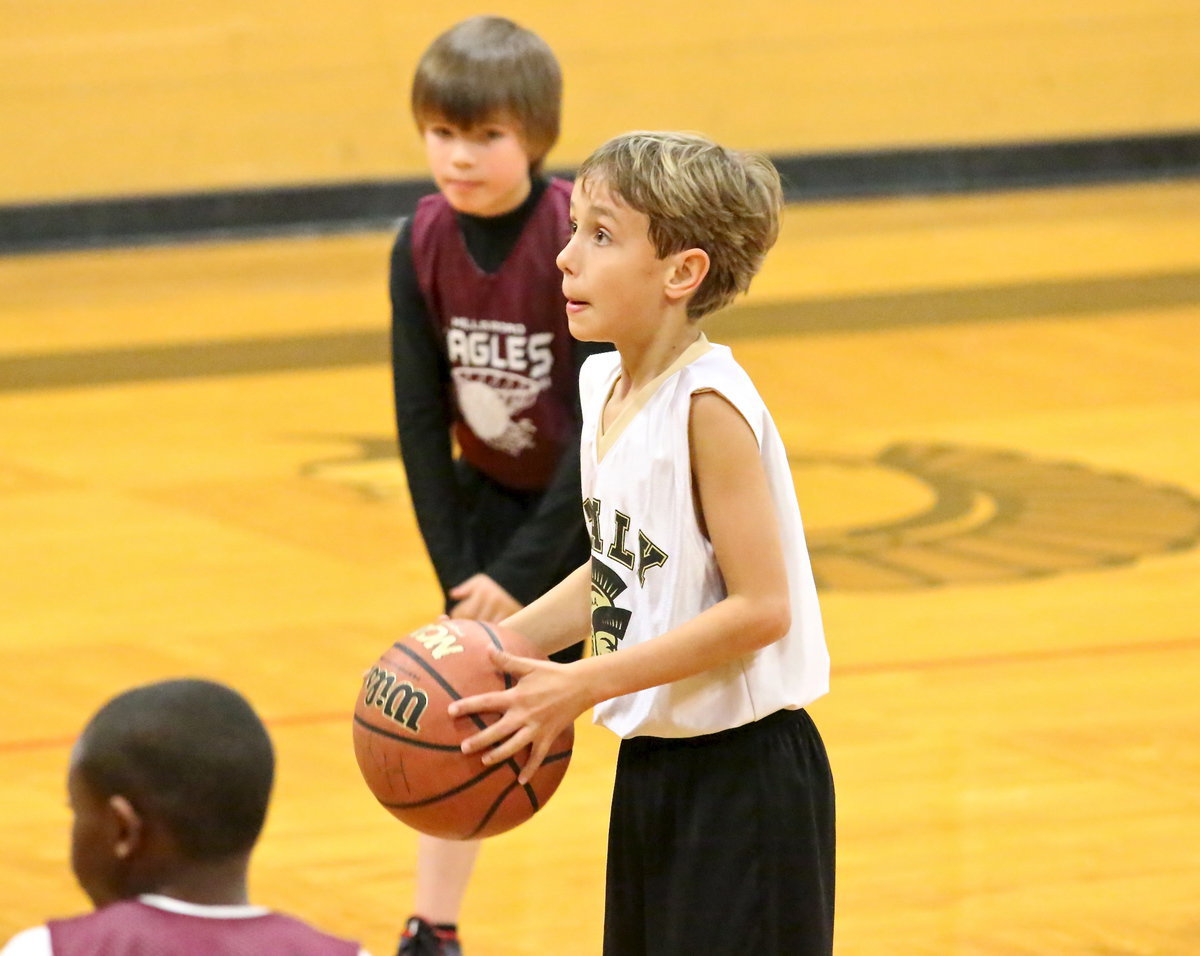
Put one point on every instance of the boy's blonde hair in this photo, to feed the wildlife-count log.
(488, 67)
(696, 194)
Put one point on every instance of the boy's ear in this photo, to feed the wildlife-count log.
(688, 269)
(128, 827)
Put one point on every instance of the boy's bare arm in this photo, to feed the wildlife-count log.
(738, 514)
(560, 617)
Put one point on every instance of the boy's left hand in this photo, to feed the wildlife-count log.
(545, 700)
(481, 598)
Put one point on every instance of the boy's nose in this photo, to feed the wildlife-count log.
(561, 259)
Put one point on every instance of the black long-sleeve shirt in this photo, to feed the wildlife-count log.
(422, 388)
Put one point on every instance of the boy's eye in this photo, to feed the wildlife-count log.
(574, 227)
(489, 134)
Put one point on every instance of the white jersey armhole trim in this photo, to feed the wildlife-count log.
(714, 390)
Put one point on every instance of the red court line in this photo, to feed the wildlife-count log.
(1016, 657)
(290, 720)
(849, 670)
(47, 743)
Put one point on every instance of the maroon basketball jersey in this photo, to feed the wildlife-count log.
(505, 336)
(135, 928)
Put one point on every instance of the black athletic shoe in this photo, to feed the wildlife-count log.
(421, 939)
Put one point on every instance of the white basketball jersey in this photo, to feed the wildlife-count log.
(653, 568)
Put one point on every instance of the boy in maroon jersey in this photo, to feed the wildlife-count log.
(483, 361)
(168, 786)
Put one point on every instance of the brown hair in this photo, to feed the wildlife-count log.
(696, 194)
(486, 67)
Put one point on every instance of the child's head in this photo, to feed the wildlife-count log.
(164, 777)
(488, 69)
(695, 194)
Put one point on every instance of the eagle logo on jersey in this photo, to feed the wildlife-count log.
(498, 371)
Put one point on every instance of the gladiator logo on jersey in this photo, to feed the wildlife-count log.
(498, 370)
(609, 622)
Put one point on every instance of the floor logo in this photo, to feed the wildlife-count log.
(920, 515)
(989, 515)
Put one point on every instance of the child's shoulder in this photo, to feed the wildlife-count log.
(717, 361)
(717, 370)
(431, 204)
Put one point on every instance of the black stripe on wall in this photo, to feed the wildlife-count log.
(982, 168)
(377, 205)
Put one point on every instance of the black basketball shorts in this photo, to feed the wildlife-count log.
(723, 844)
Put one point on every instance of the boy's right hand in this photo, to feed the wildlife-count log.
(480, 598)
(546, 698)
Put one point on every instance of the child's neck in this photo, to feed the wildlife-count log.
(214, 883)
(643, 361)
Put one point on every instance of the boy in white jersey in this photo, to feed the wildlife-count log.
(706, 634)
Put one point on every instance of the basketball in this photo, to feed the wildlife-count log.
(408, 746)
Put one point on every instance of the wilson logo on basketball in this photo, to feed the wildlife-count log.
(421, 776)
(395, 699)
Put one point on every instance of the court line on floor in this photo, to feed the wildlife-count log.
(843, 671)
(1013, 658)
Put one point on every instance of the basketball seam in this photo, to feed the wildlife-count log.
(508, 681)
(430, 669)
(414, 741)
(465, 785)
(511, 763)
(530, 793)
(445, 685)
(491, 812)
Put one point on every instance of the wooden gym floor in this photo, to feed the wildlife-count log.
(992, 403)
